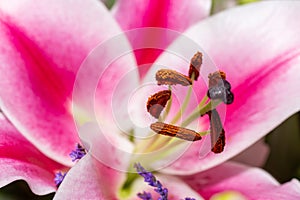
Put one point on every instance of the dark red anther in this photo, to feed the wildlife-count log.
(217, 132)
(195, 65)
(157, 102)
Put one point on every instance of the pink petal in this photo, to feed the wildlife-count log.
(90, 179)
(103, 87)
(253, 183)
(21, 160)
(262, 69)
(165, 14)
(104, 84)
(289, 190)
(107, 147)
(43, 45)
(174, 15)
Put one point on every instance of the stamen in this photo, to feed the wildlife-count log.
(151, 180)
(195, 65)
(184, 106)
(78, 153)
(200, 110)
(217, 132)
(175, 131)
(59, 177)
(157, 102)
(172, 77)
(219, 91)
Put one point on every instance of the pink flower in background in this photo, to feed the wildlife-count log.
(44, 43)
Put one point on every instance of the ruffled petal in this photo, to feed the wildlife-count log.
(174, 15)
(253, 183)
(42, 46)
(21, 160)
(262, 69)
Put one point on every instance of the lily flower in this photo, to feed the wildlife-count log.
(43, 84)
(42, 47)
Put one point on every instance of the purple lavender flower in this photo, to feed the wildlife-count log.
(59, 177)
(78, 153)
(151, 180)
(145, 196)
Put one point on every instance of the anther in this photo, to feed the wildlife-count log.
(175, 131)
(215, 77)
(172, 77)
(157, 102)
(217, 132)
(195, 65)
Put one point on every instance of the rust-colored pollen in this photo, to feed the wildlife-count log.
(195, 65)
(157, 102)
(172, 77)
(217, 132)
(214, 78)
(175, 131)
